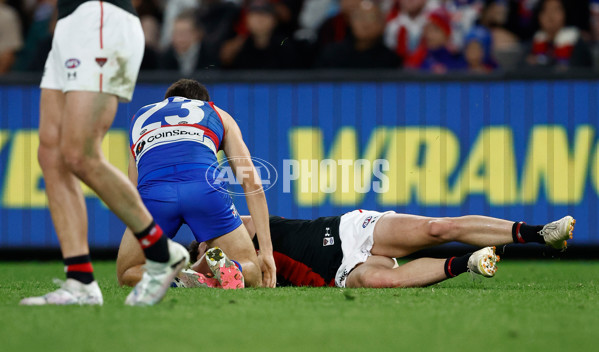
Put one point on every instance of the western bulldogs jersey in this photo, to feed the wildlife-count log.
(175, 131)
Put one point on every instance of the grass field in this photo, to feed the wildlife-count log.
(528, 306)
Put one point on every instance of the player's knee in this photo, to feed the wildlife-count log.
(75, 161)
(442, 229)
(48, 156)
(78, 161)
(48, 152)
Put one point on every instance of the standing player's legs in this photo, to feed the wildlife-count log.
(67, 207)
(87, 118)
(70, 150)
(65, 197)
(96, 54)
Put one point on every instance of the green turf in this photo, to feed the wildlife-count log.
(528, 306)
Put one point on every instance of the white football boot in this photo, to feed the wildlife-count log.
(558, 232)
(483, 262)
(71, 292)
(158, 276)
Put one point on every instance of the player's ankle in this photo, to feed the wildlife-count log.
(455, 266)
(154, 243)
(524, 233)
(79, 268)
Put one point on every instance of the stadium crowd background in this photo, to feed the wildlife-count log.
(437, 36)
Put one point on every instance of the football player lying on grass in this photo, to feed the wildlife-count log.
(357, 249)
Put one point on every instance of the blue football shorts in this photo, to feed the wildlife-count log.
(188, 198)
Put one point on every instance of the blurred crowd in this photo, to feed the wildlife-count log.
(436, 36)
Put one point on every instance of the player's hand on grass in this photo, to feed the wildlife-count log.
(269, 269)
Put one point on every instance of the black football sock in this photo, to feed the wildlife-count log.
(154, 243)
(79, 268)
(523, 233)
(454, 266)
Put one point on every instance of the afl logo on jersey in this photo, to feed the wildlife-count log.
(72, 63)
(367, 222)
(140, 147)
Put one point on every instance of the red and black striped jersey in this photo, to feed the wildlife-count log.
(306, 252)
(67, 7)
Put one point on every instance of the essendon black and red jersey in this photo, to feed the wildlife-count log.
(66, 7)
(306, 252)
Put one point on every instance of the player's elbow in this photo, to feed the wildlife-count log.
(252, 186)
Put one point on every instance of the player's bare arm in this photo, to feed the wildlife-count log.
(249, 225)
(243, 168)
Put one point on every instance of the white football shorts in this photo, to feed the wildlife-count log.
(356, 231)
(99, 48)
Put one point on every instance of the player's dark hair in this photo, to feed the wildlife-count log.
(193, 250)
(188, 88)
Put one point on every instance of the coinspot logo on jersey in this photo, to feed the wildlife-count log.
(229, 174)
